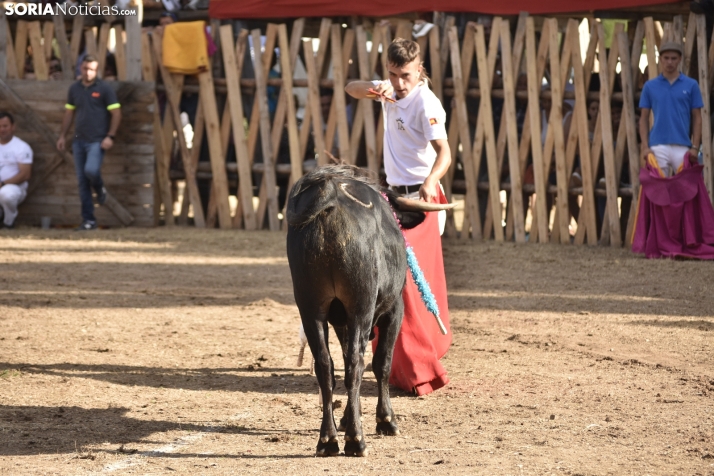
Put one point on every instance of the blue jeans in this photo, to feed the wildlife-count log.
(88, 157)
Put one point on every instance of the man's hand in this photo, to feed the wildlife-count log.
(107, 143)
(693, 155)
(385, 88)
(60, 143)
(645, 152)
(428, 190)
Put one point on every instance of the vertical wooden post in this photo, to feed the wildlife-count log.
(288, 55)
(324, 36)
(48, 33)
(706, 117)
(10, 62)
(254, 127)
(76, 40)
(38, 53)
(120, 52)
(90, 41)
(102, 46)
(65, 51)
(133, 48)
(20, 47)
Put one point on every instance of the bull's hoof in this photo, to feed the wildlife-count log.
(355, 448)
(329, 448)
(387, 428)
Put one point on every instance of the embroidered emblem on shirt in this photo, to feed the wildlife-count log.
(433, 121)
(95, 94)
(400, 124)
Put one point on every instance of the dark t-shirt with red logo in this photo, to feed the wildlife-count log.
(91, 105)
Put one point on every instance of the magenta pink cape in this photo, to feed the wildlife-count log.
(420, 345)
(674, 217)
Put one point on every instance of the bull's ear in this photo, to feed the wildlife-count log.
(410, 219)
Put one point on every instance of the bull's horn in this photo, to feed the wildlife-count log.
(411, 205)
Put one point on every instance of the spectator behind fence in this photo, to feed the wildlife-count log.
(98, 116)
(15, 170)
(676, 102)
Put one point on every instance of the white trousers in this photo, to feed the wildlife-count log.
(11, 196)
(669, 157)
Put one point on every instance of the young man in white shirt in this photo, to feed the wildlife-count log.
(416, 149)
(416, 156)
(15, 170)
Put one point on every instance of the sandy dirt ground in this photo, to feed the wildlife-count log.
(174, 352)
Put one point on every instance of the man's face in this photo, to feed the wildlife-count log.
(325, 104)
(404, 78)
(670, 61)
(89, 71)
(7, 129)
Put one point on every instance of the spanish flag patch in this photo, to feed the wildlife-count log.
(433, 121)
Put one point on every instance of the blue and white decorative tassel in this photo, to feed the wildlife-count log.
(427, 296)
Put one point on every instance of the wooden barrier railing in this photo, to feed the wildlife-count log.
(545, 51)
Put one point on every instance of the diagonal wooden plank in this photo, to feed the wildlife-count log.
(38, 56)
(580, 124)
(366, 74)
(261, 85)
(608, 153)
(460, 98)
(235, 108)
(628, 116)
(21, 47)
(271, 35)
(486, 118)
(323, 37)
(173, 95)
(534, 85)
(314, 102)
(76, 38)
(102, 45)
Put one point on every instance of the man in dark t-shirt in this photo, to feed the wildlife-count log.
(96, 123)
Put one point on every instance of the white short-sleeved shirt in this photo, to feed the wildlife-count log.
(15, 152)
(409, 125)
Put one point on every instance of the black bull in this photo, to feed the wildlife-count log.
(348, 264)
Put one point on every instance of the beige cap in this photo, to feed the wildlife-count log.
(670, 46)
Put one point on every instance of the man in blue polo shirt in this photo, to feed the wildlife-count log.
(676, 102)
(98, 116)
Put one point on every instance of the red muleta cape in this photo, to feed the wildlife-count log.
(675, 218)
(420, 344)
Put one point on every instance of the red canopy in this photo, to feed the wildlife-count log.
(380, 8)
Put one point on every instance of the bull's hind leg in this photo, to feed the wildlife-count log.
(389, 326)
(357, 339)
(316, 331)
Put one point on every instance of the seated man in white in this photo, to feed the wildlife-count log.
(15, 170)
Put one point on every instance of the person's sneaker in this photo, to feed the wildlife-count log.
(87, 225)
(102, 196)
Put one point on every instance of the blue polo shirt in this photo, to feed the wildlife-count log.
(672, 106)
